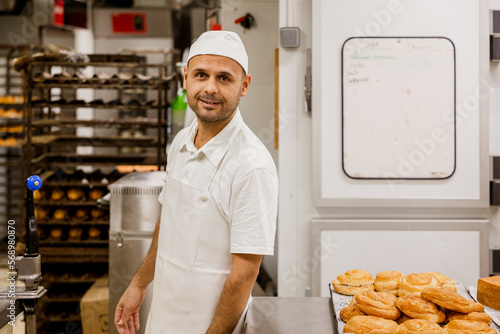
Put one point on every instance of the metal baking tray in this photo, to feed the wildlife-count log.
(340, 301)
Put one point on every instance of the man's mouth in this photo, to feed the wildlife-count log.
(209, 103)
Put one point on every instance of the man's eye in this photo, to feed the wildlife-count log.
(224, 78)
(199, 75)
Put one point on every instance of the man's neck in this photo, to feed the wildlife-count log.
(208, 130)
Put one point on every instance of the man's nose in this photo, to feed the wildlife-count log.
(211, 86)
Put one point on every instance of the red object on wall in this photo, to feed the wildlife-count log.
(129, 23)
(58, 12)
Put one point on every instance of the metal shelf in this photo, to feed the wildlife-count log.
(101, 86)
(65, 202)
(97, 106)
(144, 141)
(74, 222)
(106, 123)
(72, 160)
(51, 242)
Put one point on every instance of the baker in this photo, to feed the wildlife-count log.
(219, 206)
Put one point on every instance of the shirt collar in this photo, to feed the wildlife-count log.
(216, 147)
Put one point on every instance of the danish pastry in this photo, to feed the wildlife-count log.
(388, 281)
(445, 280)
(366, 324)
(468, 327)
(417, 307)
(451, 300)
(416, 283)
(74, 194)
(350, 311)
(353, 281)
(476, 316)
(380, 304)
(419, 326)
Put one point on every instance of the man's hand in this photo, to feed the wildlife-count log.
(127, 310)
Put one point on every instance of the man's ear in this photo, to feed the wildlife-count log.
(245, 84)
(185, 76)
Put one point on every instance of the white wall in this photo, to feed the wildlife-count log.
(495, 136)
(257, 108)
(295, 157)
(296, 260)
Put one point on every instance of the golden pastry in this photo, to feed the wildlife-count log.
(75, 232)
(41, 213)
(81, 213)
(445, 280)
(366, 324)
(388, 281)
(56, 232)
(402, 318)
(96, 213)
(416, 283)
(95, 232)
(75, 194)
(96, 193)
(38, 194)
(468, 327)
(416, 307)
(451, 300)
(353, 281)
(57, 194)
(379, 304)
(60, 214)
(350, 311)
(476, 316)
(419, 326)
(488, 291)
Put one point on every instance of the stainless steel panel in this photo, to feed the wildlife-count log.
(134, 202)
(126, 254)
(290, 315)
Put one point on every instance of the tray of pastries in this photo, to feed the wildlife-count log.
(397, 303)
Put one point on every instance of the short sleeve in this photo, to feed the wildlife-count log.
(253, 211)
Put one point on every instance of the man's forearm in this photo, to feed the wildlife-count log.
(235, 294)
(145, 273)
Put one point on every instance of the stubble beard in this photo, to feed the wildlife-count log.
(213, 118)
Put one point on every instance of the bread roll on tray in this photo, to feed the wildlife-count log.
(451, 300)
(468, 327)
(416, 307)
(380, 304)
(366, 324)
(353, 281)
(388, 281)
(414, 326)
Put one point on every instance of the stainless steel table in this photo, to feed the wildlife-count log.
(290, 315)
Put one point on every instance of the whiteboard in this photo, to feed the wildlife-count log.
(393, 124)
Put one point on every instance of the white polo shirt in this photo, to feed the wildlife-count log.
(241, 177)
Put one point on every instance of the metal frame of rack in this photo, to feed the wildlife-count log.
(160, 83)
(11, 128)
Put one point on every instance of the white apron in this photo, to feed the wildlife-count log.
(192, 262)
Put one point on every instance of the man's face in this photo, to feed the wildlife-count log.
(214, 85)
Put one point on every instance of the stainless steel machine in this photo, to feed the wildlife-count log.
(134, 211)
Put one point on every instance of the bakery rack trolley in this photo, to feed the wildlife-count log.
(39, 125)
(27, 268)
(11, 134)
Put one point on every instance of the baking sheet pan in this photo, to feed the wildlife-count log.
(340, 301)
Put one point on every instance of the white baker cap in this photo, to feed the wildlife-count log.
(220, 43)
